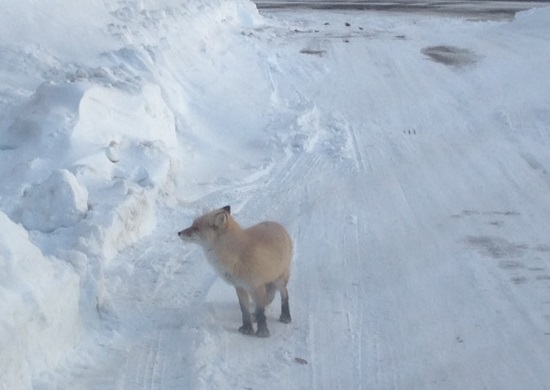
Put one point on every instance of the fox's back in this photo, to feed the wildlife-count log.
(268, 252)
(272, 237)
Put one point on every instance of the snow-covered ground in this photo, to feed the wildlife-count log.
(407, 154)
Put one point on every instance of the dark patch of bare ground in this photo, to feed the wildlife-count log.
(498, 248)
(318, 53)
(451, 56)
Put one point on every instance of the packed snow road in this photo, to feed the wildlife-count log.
(407, 155)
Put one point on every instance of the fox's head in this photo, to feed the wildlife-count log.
(206, 228)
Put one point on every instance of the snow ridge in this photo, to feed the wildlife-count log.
(90, 117)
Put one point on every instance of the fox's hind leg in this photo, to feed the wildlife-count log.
(244, 302)
(285, 309)
(260, 299)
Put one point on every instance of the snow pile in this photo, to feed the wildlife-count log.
(143, 117)
(93, 101)
(59, 201)
(39, 317)
(534, 21)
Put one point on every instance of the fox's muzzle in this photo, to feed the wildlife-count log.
(186, 234)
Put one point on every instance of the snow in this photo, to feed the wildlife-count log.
(60, 201)
(39, 311)
(406, 153)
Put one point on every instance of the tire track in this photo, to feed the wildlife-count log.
(156, 291)
(358, 156)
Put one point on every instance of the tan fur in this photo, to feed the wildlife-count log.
(255, 260)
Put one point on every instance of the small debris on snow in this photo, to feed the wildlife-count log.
(300, 361)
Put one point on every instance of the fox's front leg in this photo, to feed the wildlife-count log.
(244, 302)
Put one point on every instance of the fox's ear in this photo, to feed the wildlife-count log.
(227, 208)
(220, 219)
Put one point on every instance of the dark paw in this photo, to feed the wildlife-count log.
(285, 318)
(262, 332)
(247, 330)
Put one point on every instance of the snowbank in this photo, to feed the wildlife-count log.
(39, 311)
(534, 21)
(59, 201)
(94, 101)
(107, 114)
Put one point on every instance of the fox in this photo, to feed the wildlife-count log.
(256, 261)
